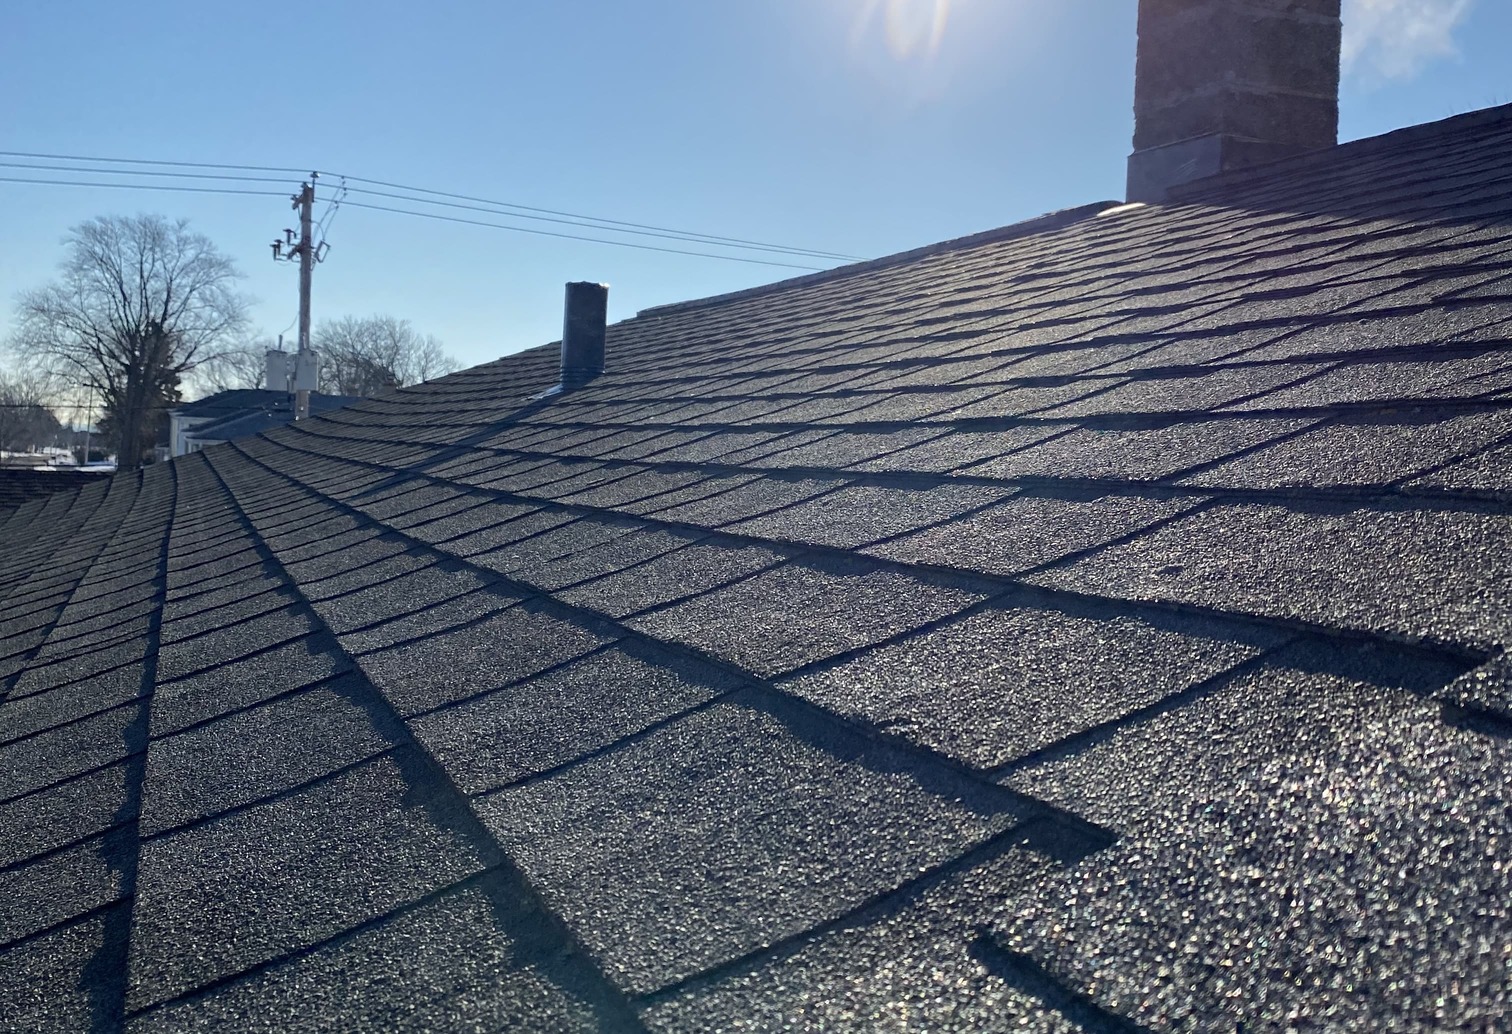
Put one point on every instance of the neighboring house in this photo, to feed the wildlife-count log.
(1096, 624)
(256, 420)
(237, 412)
(222, 405)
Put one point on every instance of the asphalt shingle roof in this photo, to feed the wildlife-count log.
(1095, 625)
(231, 402)
(19, 484)
(236, 415)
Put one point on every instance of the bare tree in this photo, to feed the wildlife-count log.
(242, 366)
(27, 421)
(141, 301)
(360, 356)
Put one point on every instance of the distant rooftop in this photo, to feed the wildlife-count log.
(19, 485)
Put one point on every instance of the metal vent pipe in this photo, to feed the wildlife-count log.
(583, 323)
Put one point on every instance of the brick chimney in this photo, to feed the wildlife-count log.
(1222, 84)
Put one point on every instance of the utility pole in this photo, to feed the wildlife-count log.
(305, 202)
(88, 419)
(308, 254)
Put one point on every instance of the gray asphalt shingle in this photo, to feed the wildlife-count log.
(253, 754)
(46, 981)
(719, 834)
(560, 717)
(1292, 869)
(444, 965)
(797, 614)
(73, 810)
(1030, 530)
(255, 884)
(1377, 567)
(440, 667)
(913, 967)
(1003, 683)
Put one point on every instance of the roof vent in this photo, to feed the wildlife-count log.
(1224, 84)
(583, 325)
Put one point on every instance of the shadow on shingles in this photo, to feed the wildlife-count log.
(465, 445)
(103, 977)
(541, 942)
(105, 974)
(1468, 718)
(1417, 670)
(837, 738)
(1024, 974)
(1476, 702)
(1383, 663)
(541, 938)
(1047, 837)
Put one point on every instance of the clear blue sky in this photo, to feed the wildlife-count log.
(831, 124)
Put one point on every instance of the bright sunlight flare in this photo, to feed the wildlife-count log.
(912, 28)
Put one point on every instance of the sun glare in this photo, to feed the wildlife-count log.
(912, 28)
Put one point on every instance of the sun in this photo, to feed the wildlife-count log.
(912, 28)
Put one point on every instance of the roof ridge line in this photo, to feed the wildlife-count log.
(1215, 188)
(1025, 228)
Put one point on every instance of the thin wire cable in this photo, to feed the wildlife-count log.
(86, 170)
(575, 237)
(146, 186)
(144, 161)
(688, 234)
(691, 239)
(383, 208)
(571, 218)
(319, 233)
(332, 208)
(710, 238)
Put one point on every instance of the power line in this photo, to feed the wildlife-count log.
(80, 170)
(147, 186)
(332, 207)
(422, 215)
(478, 204)
(145, 161)
(575, 237)
(612, 226)
(606, 223)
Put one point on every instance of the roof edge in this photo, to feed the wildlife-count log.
(281, 398)
(1214, 187)
(1027, 228)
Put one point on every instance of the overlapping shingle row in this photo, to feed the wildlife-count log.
(1097, 629)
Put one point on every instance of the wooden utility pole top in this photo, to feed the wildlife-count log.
(305, 202)
(303, 373)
